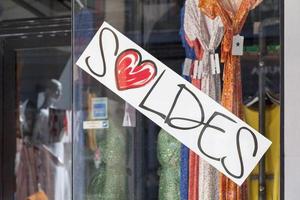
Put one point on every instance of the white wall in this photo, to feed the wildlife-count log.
(292, 99)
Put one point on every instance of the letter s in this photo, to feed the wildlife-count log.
(240, 153)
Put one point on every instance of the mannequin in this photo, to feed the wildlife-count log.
(42, 138)
(36, 171)
(41, 129)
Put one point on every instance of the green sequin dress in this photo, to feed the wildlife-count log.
(169, 159)
(110, 180)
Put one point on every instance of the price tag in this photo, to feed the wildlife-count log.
(187, 66)
(237, 45)
(217, 63)
(195, 72)
(200, 69)
(212, 63)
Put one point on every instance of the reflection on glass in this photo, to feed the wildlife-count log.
(43, 159)
(33, 9)
(144, 162)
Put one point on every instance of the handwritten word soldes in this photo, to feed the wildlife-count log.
(196, 120)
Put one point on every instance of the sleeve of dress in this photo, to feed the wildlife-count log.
(208, 7)
(190, 27)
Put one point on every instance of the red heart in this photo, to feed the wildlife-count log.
(131, 72)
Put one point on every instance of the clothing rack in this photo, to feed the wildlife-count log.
(262, 109)
(262, 96)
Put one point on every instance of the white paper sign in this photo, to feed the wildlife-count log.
(196, 120)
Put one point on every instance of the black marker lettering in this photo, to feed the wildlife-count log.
(102, 52)
(208, 125)
(142, 104)
(240, 153)
(169, 119)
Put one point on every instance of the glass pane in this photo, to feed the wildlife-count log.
(141, 161)
(262, 59)
(103, 158)
(33, 9)
(43, 158)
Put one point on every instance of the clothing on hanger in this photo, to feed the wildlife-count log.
(193, 175)
(193, 157)
(115, 185)
(110, 179)
(193, 181)
(168, 154)
(272, 157)
(37, 167)
(209, 33)
(207, 83)
(250, 74)
(233, 20)
(233, 15)
(48, 134)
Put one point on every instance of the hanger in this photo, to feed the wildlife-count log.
(80, 4)
(274, 98)
(270, 98)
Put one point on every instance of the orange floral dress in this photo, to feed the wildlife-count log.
(233, 14)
